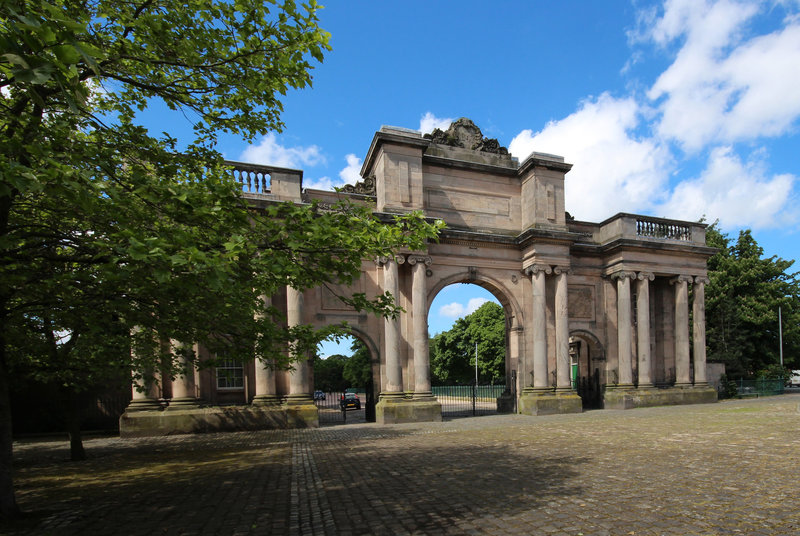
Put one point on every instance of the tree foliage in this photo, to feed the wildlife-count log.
(111, 237)
(742, 302)
(453, 351)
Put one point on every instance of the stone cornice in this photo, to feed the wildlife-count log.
(627, 243)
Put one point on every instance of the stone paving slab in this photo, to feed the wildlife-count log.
(726, 468)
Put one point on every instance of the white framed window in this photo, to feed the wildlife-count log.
(230, 375)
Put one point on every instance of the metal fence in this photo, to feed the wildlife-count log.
(330, 410)
(759, 387)
(468, 400)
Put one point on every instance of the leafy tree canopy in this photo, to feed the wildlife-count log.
(108, 230)
(742, 302)
(453, 351)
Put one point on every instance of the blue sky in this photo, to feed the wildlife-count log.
(681, 109)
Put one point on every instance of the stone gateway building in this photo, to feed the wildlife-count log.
(596, 313)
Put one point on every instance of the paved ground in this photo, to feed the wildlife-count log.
(726, 468)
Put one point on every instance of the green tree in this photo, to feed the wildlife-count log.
(357, 368)
(453, 351)
(111, 238)
(742, 302)
(329, 373)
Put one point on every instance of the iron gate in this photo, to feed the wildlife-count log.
(468, 400)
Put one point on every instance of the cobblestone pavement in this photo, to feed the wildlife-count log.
(726, 468)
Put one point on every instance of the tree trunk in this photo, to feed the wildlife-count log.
(8, 504)
(73, 418)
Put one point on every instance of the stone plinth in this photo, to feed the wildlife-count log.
(212, 419)
(302, 415)
(534, 403)
(649, 397)
(505, 403)
(396, 411)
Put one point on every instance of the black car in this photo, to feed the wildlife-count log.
(350, 401)
(319, 395)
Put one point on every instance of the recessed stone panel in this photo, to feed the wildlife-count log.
(581, 302)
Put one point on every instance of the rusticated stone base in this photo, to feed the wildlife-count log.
(505, 403)
(548, 403)
(216, 419)
(396, 411)
(649, 397)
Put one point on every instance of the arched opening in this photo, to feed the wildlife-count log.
(344, 379)
(473, 370)
(587, 363)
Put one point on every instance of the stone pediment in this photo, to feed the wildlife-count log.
(465, 134)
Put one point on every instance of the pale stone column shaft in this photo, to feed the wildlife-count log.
(643, 328)
(681, 330)
(699, 330)
(184, 390)
(144, 393)
(540, 376)
(562, 331)
(266, 391)
(624, 365)
(419, 313)
(299, 378)
(394, 369)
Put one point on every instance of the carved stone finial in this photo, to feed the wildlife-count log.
(365, 187)
(464, 133)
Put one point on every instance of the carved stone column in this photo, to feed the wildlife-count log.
(699, 330)
(144, 396)
(682, 378)
(266, 391)
(184, 390)
(540, 375)
(299, 378)
(624, 364)
(419, 313)
(394, 369)
(562, 330)
(643, 328)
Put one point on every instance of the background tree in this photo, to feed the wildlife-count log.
(453, 351)
(357, 368)
(742, 303)
(329, 373)
(108, 231)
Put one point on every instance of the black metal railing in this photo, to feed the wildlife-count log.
(468, 400)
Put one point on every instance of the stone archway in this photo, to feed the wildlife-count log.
(588, 360)
(558, 277)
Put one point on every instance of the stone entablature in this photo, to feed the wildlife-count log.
(606, 302)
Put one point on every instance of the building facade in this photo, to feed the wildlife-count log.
(597, 314)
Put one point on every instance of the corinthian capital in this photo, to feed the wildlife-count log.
(421, 259)
(381, 261)
(649, 276)
(534, 269)
(681, 279)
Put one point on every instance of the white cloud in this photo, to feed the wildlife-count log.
(724, 85)
(428, 122)
(270, 152)
(614, 171)
(323, 183)
(457, 310)
(352, 173)
(739, 194)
